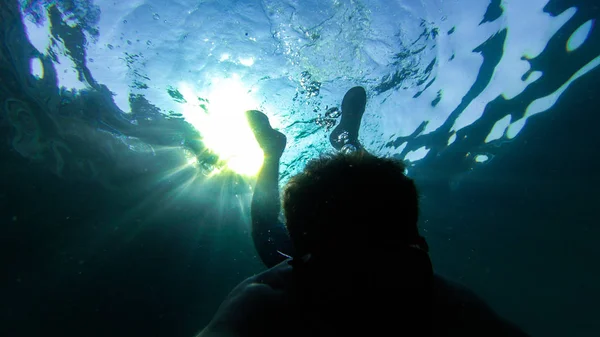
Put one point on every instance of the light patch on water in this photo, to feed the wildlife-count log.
(482, 158)
(452, 139)
(223, 125)
(402, 147)
(37, 70)
(224, 57)
(513, 130)
(248, 62)
(529, 30)
(121, 21)
(580, 36)
(66, 72)
(545, 103)
(499, 129)
(39, 36)
(417, 154)
(534, 76)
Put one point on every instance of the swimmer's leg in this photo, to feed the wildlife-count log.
(353, 108)
(268, 234)
(271, 141)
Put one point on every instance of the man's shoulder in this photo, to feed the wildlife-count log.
(454, 292)
(277, 277)
(463, 309)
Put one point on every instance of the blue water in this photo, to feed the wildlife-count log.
(127, 166)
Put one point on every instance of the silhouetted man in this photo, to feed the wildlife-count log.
(349, 259)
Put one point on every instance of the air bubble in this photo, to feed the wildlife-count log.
(348, 148)
(343, 137)
(333, 113)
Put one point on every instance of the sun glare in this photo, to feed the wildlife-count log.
(218, 114)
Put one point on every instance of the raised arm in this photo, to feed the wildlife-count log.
(268, 233)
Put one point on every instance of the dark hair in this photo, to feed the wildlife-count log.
(342, 203)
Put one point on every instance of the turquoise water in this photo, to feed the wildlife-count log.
(127, 167)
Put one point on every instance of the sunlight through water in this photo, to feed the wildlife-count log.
(221, 121)
(435, 72)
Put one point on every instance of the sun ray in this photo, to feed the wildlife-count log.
(218, 114)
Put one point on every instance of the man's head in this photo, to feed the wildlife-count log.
(351, 204)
